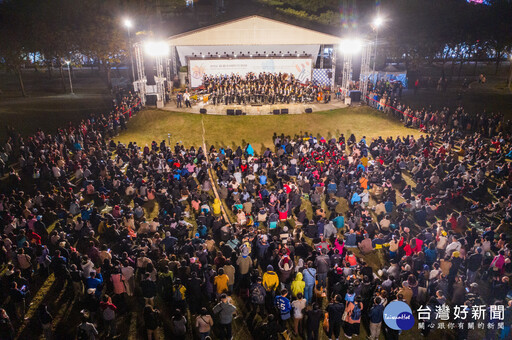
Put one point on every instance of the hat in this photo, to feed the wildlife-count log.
(456, 254)
(196, 235)
(339, 270)
(478, 250)
(270, 268)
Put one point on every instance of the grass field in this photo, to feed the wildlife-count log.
(222, 131)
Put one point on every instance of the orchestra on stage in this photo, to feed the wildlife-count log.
(259, 89)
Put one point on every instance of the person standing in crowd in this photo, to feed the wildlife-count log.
(225, 311)
(313, 318)
(376, 317)
(109, 315)
(353, 317)
(152, 321)
(298, 307)
(179, 99)
(86, 330)
(186, 98)
(283, 305)
(204, 323)
(335, 311)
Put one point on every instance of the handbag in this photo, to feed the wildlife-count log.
(325, 324)
(344, 316)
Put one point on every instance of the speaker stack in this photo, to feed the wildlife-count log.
(284, 111)
(309, 110)
(230, 112)
(203, 111)
(238, 112)
(276, 111)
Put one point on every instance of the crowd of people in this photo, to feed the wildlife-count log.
(262, 88)
(314, 233)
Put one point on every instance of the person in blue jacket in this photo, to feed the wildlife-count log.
(249, 150)
(283, 305)
(94, 281)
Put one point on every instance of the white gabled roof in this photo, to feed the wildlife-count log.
(253, 30)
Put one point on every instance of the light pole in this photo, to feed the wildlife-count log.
(69, 74)
(129, 24)
(377, 22)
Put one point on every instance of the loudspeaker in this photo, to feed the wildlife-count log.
(238, 112)
(309, 110)
(244, 113)
(203, 111)
(151, 99)
(231, 112)
(355, 96)
(276, 112)
(284, 111)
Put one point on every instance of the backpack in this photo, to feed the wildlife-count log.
(176, 295)
(356, 313)
(82, 334)
(257, 296)
(108, 314)
(180, 327)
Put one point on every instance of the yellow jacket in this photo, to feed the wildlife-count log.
(270, 280)
(216, 207)
(298, 285)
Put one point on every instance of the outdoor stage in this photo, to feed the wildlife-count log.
(256, 110)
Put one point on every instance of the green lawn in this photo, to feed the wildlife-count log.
(186, 128)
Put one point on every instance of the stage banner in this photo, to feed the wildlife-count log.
(299, 67)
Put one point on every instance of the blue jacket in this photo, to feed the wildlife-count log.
(355, 198)
(339, 222)
(95, 283)
(309, 276)
(376, 313)
(284, 306)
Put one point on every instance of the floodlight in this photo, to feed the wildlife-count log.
(156, 48)
(351, 46)
(378, 21)
(128, 23)
(67, 62)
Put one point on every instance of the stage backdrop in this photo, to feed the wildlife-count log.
(299, 67)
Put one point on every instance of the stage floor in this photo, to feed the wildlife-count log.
(252, 110)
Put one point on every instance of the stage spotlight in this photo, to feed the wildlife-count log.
(351, 45)
(377, 22)
(156, 48)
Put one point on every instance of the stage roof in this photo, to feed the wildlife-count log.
(253, 30)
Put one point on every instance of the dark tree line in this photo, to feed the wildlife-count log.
(417, 31)
(59, 30)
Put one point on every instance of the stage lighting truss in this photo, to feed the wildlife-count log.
(366, 73)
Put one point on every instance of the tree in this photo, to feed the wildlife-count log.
(499, 27)
(102, 37)
(15, 28)
(55, 31)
